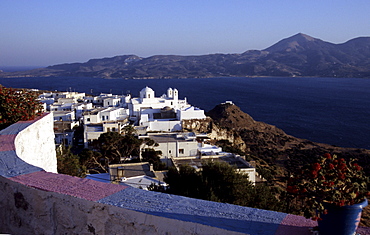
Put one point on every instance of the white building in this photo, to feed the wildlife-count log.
(175, 145)
(81, 108)
(62, 104)
(68, 94)
(66, 116)
(109, 114)
(112, 101)
(163, 113)
(93, 131)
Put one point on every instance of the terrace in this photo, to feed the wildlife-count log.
(37, 200)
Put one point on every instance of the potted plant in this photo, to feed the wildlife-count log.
(331, 189)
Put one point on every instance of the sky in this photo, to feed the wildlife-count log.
(47, 32)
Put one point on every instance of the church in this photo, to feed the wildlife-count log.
(163, 113)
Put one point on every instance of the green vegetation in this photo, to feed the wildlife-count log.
(110, 148)
(152, 156)
(220, 182)
(69, 163)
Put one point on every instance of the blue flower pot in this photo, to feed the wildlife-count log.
(342, 220)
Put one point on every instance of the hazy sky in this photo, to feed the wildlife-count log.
(47, 32)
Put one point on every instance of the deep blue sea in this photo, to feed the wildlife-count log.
(328, 110)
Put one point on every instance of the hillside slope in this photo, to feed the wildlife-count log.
(270, 146)
(298, 55)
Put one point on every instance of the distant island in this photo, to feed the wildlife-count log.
(296, 56)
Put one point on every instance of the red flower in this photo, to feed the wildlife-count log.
(341, 203)
(342, 166)
(331, 166)
(327, 155)
(313, 174)
(316, 166)
(292, 189)
(357, 167)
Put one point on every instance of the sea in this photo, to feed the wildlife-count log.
(327, 110)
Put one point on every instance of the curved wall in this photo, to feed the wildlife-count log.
(35, 144)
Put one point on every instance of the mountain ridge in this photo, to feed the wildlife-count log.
(298, 55)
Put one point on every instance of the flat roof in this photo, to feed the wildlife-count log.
(171, 137)
(135, 169)
(196, 162)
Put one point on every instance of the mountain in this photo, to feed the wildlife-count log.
(299, 55)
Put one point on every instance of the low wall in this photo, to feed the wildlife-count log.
(35, 201)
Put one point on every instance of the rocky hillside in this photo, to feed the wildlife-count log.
(275, 152)
(299, 55)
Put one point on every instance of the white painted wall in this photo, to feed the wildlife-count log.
(190, 113)
(163, 125)
(35, 144)
(178, 149)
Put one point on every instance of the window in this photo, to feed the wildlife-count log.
(108, 129)
(88, 119)
(181, 151)
(113, 129)
(102, 118)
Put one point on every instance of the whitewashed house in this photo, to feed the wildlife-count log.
(173, 145)
(102, 120)
(112, 101)
(68, 94)
(63, 104)
(93, 131)
(104, 114)
(81, 108)
(66, 116)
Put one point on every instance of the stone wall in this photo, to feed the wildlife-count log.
(26, 210)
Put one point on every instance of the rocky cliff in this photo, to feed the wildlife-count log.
(275, 152)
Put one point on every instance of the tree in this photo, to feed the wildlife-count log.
(17, 105)
(152, 156)
(218, 181)
(68, 163)
(185, 181)
(92, 161)
(110, 145)
(116, 147)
